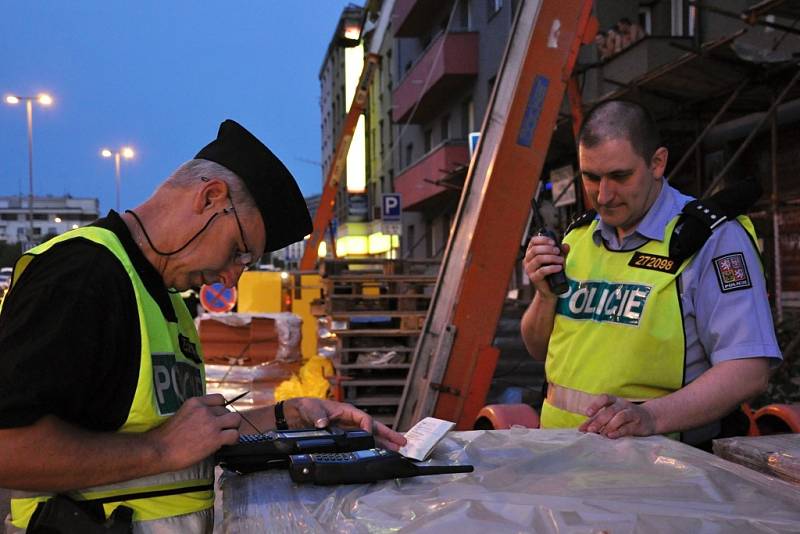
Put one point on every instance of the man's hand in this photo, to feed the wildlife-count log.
(542, 258)
(200, 427)
(614, 418)
(308, 412)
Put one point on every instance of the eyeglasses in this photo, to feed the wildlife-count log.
(244, 258)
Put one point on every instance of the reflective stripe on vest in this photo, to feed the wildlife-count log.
(618, 330)
(170, 371)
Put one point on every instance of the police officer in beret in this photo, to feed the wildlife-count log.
(101, 373)
(645, 342)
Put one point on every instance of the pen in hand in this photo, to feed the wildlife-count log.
(236, 398)
(246, 420)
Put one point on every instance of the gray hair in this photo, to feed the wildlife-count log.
(189, 173)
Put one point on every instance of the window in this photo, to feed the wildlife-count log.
(430, 248)
(445, 128)
(428, 139)
(494, 6)
(410, 242)
(676, 12)
(646, 19)
(409, 153)
(385, 70)
(692, 22)
(467, 113)
(380, 127)
(465, 19)
(426, 40)
(445, 228)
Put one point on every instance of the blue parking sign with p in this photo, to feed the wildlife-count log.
(391, 207)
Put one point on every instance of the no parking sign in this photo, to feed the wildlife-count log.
(217, 298)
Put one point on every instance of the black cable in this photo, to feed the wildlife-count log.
(160, 253)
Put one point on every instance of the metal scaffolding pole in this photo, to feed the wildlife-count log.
(770, 112)
(702, 136)
(776, 218)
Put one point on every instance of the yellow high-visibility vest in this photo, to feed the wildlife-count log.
(170, 371)
(619, 328)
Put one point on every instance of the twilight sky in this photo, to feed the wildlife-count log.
(158, 75)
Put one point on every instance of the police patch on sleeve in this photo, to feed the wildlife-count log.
(732, 272)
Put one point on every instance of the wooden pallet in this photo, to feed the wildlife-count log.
(375, 308)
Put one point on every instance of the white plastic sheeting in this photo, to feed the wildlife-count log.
(544, 481)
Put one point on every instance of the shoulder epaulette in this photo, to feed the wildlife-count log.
(697, 220)
(701, 217)
(583, 219)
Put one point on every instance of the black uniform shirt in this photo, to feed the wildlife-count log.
(69, 334)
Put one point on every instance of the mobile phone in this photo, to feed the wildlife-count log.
(361, 467)
(257, 452)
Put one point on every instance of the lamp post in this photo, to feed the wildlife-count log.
(45, 100)
(127, 153)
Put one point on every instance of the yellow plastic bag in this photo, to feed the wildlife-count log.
(310, 381)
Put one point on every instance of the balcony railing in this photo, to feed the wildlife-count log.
(449, 63)
(418, 182)
(640, 58)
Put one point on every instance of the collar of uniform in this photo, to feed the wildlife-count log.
(150, 278)
(668, 204)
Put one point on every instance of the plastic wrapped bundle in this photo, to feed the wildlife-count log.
(249, 338)
(777, 455)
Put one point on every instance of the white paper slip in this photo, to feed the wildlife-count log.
(424, 436)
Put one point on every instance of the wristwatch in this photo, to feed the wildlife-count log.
(280, 418)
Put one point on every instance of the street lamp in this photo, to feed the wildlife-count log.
(45, 100)
(127, 153)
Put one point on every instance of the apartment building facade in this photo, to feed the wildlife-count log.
(439, 63)
(52, 215)
(447, 55)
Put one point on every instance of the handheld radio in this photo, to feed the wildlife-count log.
(362, 467)
(557, 281)
(257, 452)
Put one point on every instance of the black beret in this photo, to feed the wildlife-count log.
(267, 179)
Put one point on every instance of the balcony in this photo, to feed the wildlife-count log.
(641, 58)
(417, 183)
(412, 17)
(450, 62)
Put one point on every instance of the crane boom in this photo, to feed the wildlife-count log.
(328, 198)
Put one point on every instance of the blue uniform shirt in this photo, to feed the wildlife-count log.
(724, 317)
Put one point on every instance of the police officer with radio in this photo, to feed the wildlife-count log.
(646, 341)
(103, 412)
